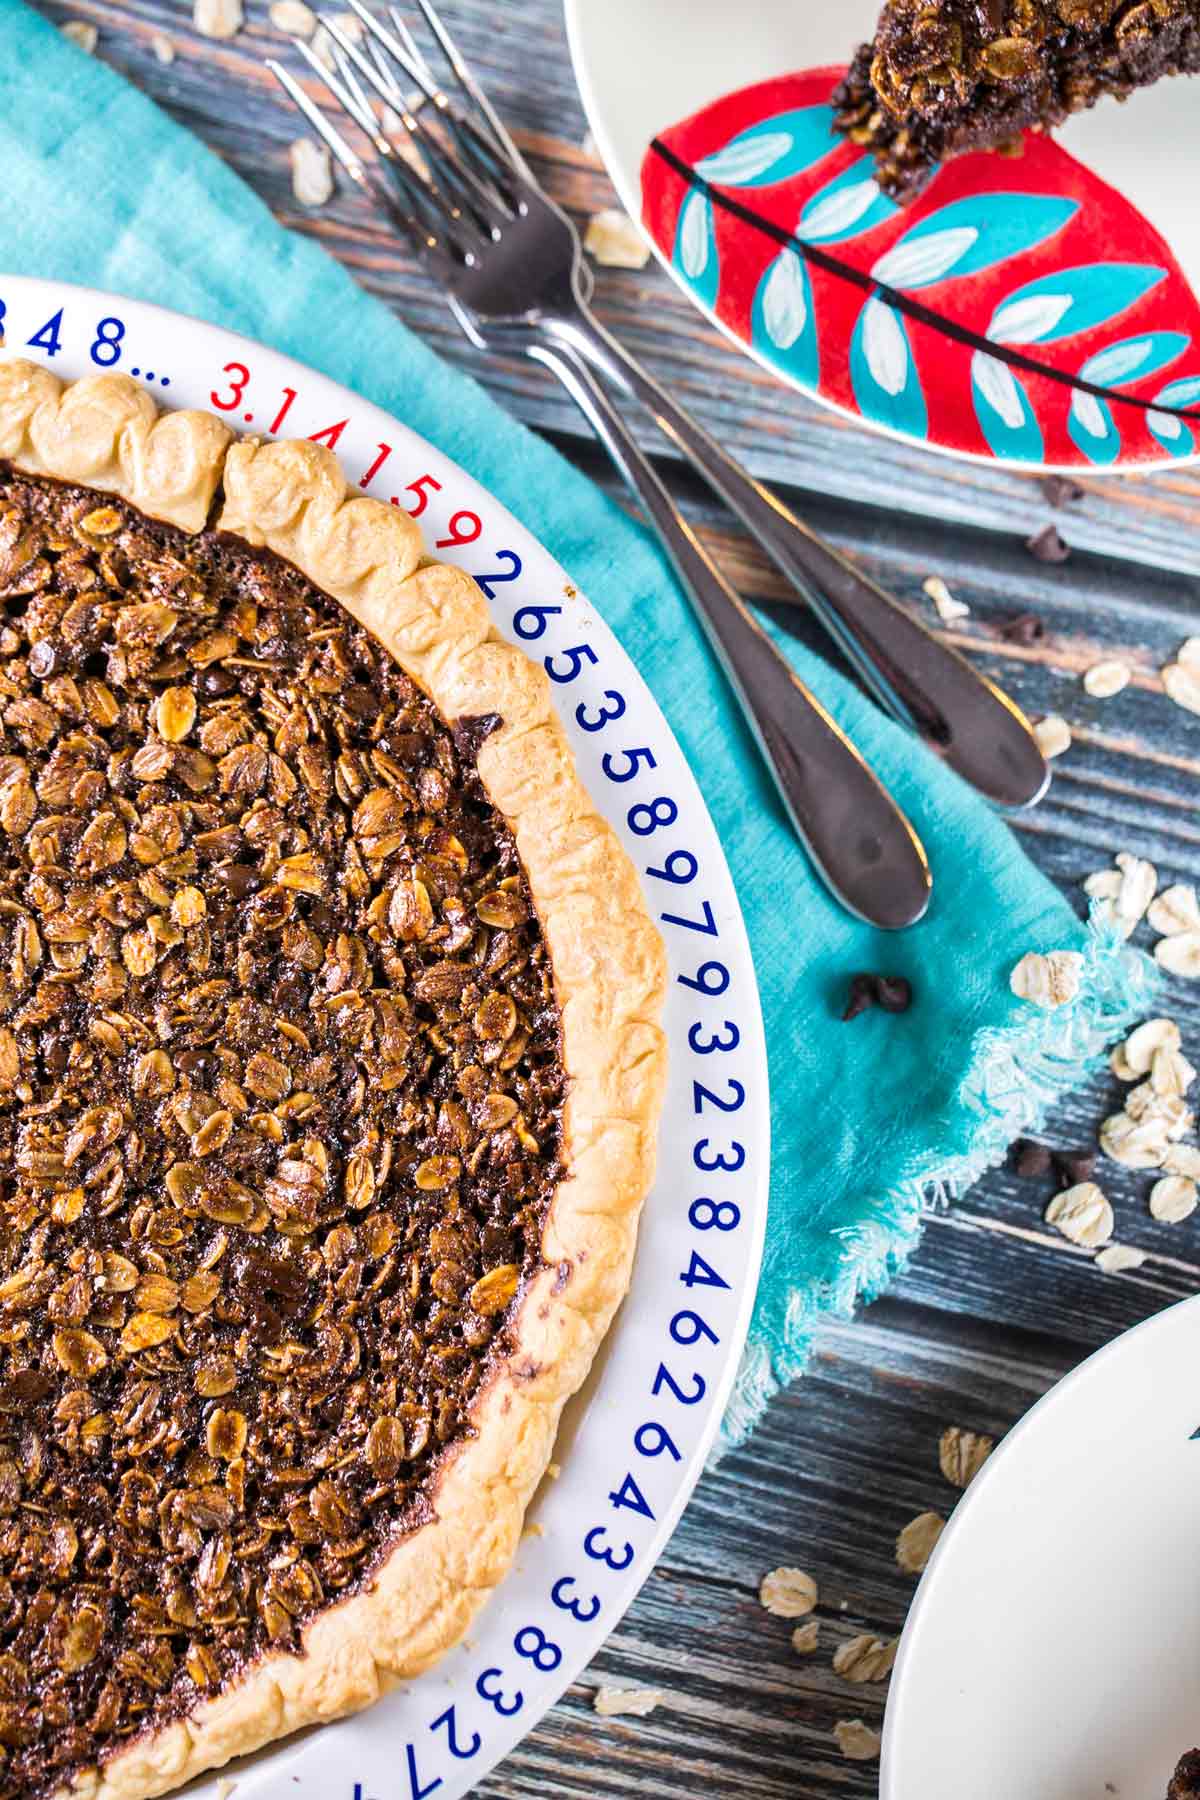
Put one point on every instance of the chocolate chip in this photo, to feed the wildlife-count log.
(893, 993)
(219, 682)
(43, 660)
(240, 878)
(1030, 1160)
(1074, 1166)
(1047, 546)
(362, 701)
(1060, 490)
(1023, 628)
(861, 997)
(890, 992)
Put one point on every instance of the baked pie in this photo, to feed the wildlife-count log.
(957, 75)
(330, 1072)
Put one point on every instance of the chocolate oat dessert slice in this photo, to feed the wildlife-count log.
(942, 79)
(1185, 1783)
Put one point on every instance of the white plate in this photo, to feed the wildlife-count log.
(643, 68)
(1053, 1649)
(671, 1356)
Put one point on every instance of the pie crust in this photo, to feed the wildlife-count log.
(105, 432)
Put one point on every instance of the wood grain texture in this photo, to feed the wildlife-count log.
(994, 1307)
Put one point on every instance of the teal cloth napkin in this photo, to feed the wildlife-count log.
(869, 1119)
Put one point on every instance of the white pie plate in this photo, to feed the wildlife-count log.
(1053, 1649)
(643, 68)
(591, 1546)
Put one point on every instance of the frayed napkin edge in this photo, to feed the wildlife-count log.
(1018, 1072)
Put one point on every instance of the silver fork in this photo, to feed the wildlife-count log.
(510, 264)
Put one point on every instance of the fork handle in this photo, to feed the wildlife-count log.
(919, 680)
(860, 842)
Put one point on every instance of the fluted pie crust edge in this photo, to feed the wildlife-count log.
(106, 433)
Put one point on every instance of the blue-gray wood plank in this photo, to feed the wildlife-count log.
(993, 1308)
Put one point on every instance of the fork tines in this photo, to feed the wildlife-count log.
(454, 165)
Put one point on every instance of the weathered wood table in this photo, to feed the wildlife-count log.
(993, 1308)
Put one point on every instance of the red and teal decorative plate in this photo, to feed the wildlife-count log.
(1036, 308)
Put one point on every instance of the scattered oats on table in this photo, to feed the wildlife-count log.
(1124, 892)
(1175, 910)
(294, 17)
(1106, 678)
(917, 1541)
(1179, 954)
(1083, 1214)
(1047, 980)
(1183, 1159)
(613, 240)
(1146, 1040)
(806, 1637)
(788, 1593)
(857, 1741)
(865, 1658)
(218, 18)
(1173, 1199)
(1053, 735)
(962, 1453)
(1134, 1143)
(163, 48)
(312, 172)
(82, 33)
(1181, 680)
(609, 1701)
(1115, 1259)
(947, 607)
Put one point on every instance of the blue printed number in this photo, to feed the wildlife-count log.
(704, 1044)
(729, 1160)
(710, 978)
(651, 815)
(512, 568)
(707, 925)
(575, 657)
(417, 1790)
(702, 1095)
(630, 1496)
(653, 1439)
(107, 348)
(604, 714)
(714, 1215)
(49, 337)
(583, 1611)
(700, 1273)
(679, 867)
(532, 1643)
(634, 759)
(462, 1751)
(665, 1379)
(688, 1328)
(595, 1547)
(487, 1687)
(530, 621)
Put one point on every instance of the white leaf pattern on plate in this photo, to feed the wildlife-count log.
(785, 303)
(1029, 320)
(885, 347)
(741, 161)
(830, 215)
(693, 236)
(915, 262)
(995, 382)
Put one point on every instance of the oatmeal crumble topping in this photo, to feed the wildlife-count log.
(280, 1090)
